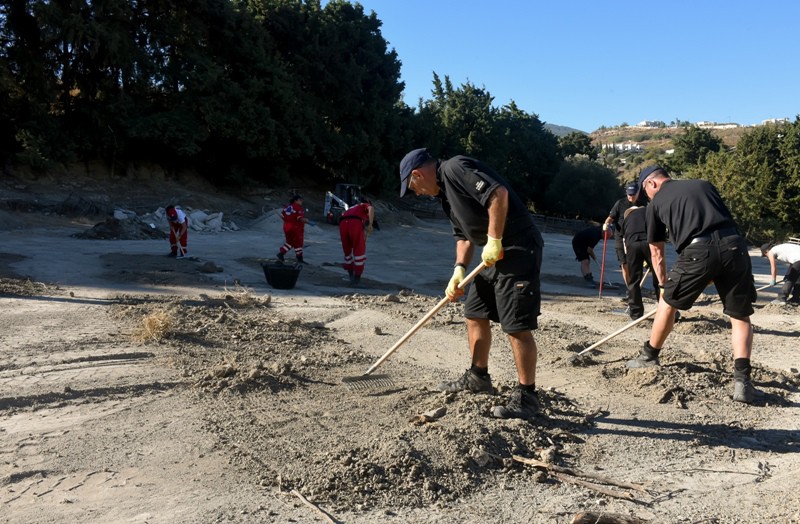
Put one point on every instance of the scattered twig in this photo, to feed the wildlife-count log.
(316, 508)
(563, 477)
(575, 473)
(588, 517)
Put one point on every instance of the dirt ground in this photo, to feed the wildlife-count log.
(139, 388)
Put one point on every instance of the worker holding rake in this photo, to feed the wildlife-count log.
(485, 211)
(583, 244)
(294, 227)
(354, 226)
(178, 231)
(710, 249)
(616, 219)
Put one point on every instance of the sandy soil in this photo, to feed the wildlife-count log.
(139, 388)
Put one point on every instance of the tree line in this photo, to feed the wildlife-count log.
(242, 91)
(269, 91)
(759, 178)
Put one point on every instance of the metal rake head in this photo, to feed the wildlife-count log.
(368, 382)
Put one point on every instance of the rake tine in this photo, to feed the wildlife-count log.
(367, 382)
(367, 374)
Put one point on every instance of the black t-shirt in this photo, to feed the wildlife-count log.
(617, 213)
(588, 237)
(466, 185)
(688, 208)
(634, 228)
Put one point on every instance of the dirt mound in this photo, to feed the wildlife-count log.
(244, 359)
(115, 229)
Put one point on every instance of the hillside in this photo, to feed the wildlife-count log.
(654, 143)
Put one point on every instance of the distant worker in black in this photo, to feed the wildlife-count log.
(615, 220)
(583, 244)
(637, 257)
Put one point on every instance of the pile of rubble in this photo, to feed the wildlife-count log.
(198, 220)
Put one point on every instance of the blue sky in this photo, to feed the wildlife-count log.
(585, 64)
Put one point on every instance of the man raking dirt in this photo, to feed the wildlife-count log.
(485, 211)
(710, 249)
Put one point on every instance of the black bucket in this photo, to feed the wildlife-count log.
(281, 276)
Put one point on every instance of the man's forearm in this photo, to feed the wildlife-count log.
(498, 211)
(659, 262)
(464, 249)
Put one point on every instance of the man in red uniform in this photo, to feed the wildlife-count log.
(294, 225)
(354, 241)
(178, 231)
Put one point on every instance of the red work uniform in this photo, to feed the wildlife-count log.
(178, 231)
(354, 241)
(293, 229)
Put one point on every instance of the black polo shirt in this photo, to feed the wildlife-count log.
(588, 237)
(634, 228)
(617, 213)
(466, 184)
(688, 208)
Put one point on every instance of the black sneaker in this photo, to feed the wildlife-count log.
(469, 381)
(647, 359)
(280, 256)
(744, 390)
(522, 404)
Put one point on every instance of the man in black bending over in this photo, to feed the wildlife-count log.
(710, 249)
(485, 211)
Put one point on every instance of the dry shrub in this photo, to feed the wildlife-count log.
(155, 327)
(244, 297)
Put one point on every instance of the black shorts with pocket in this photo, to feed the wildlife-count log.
(508, 292)
(726, 262)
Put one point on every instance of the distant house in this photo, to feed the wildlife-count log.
(623, 147)
(775, 121)
(650, 123)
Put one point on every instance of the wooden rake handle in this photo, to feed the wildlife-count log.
(424, 319)
(620, 330)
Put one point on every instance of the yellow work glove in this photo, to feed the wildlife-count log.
(660, 292)
(452, 291)
(605, 227)
(492, 251)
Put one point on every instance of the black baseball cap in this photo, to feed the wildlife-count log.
(649, 170)
(410, 162)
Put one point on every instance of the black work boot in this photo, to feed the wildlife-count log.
(280, 256)
(300, 260)
(522, 404)
(743, 388)
(589, 280)
(469, 381)
(648, 358)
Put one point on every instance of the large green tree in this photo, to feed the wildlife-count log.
(583, 189)
(577, 143)
(760, 180)
(692, 147)
(463, 120)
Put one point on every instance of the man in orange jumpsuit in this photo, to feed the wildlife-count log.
(354, 240)
(294, 224)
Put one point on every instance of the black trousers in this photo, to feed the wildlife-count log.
(637, 253)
